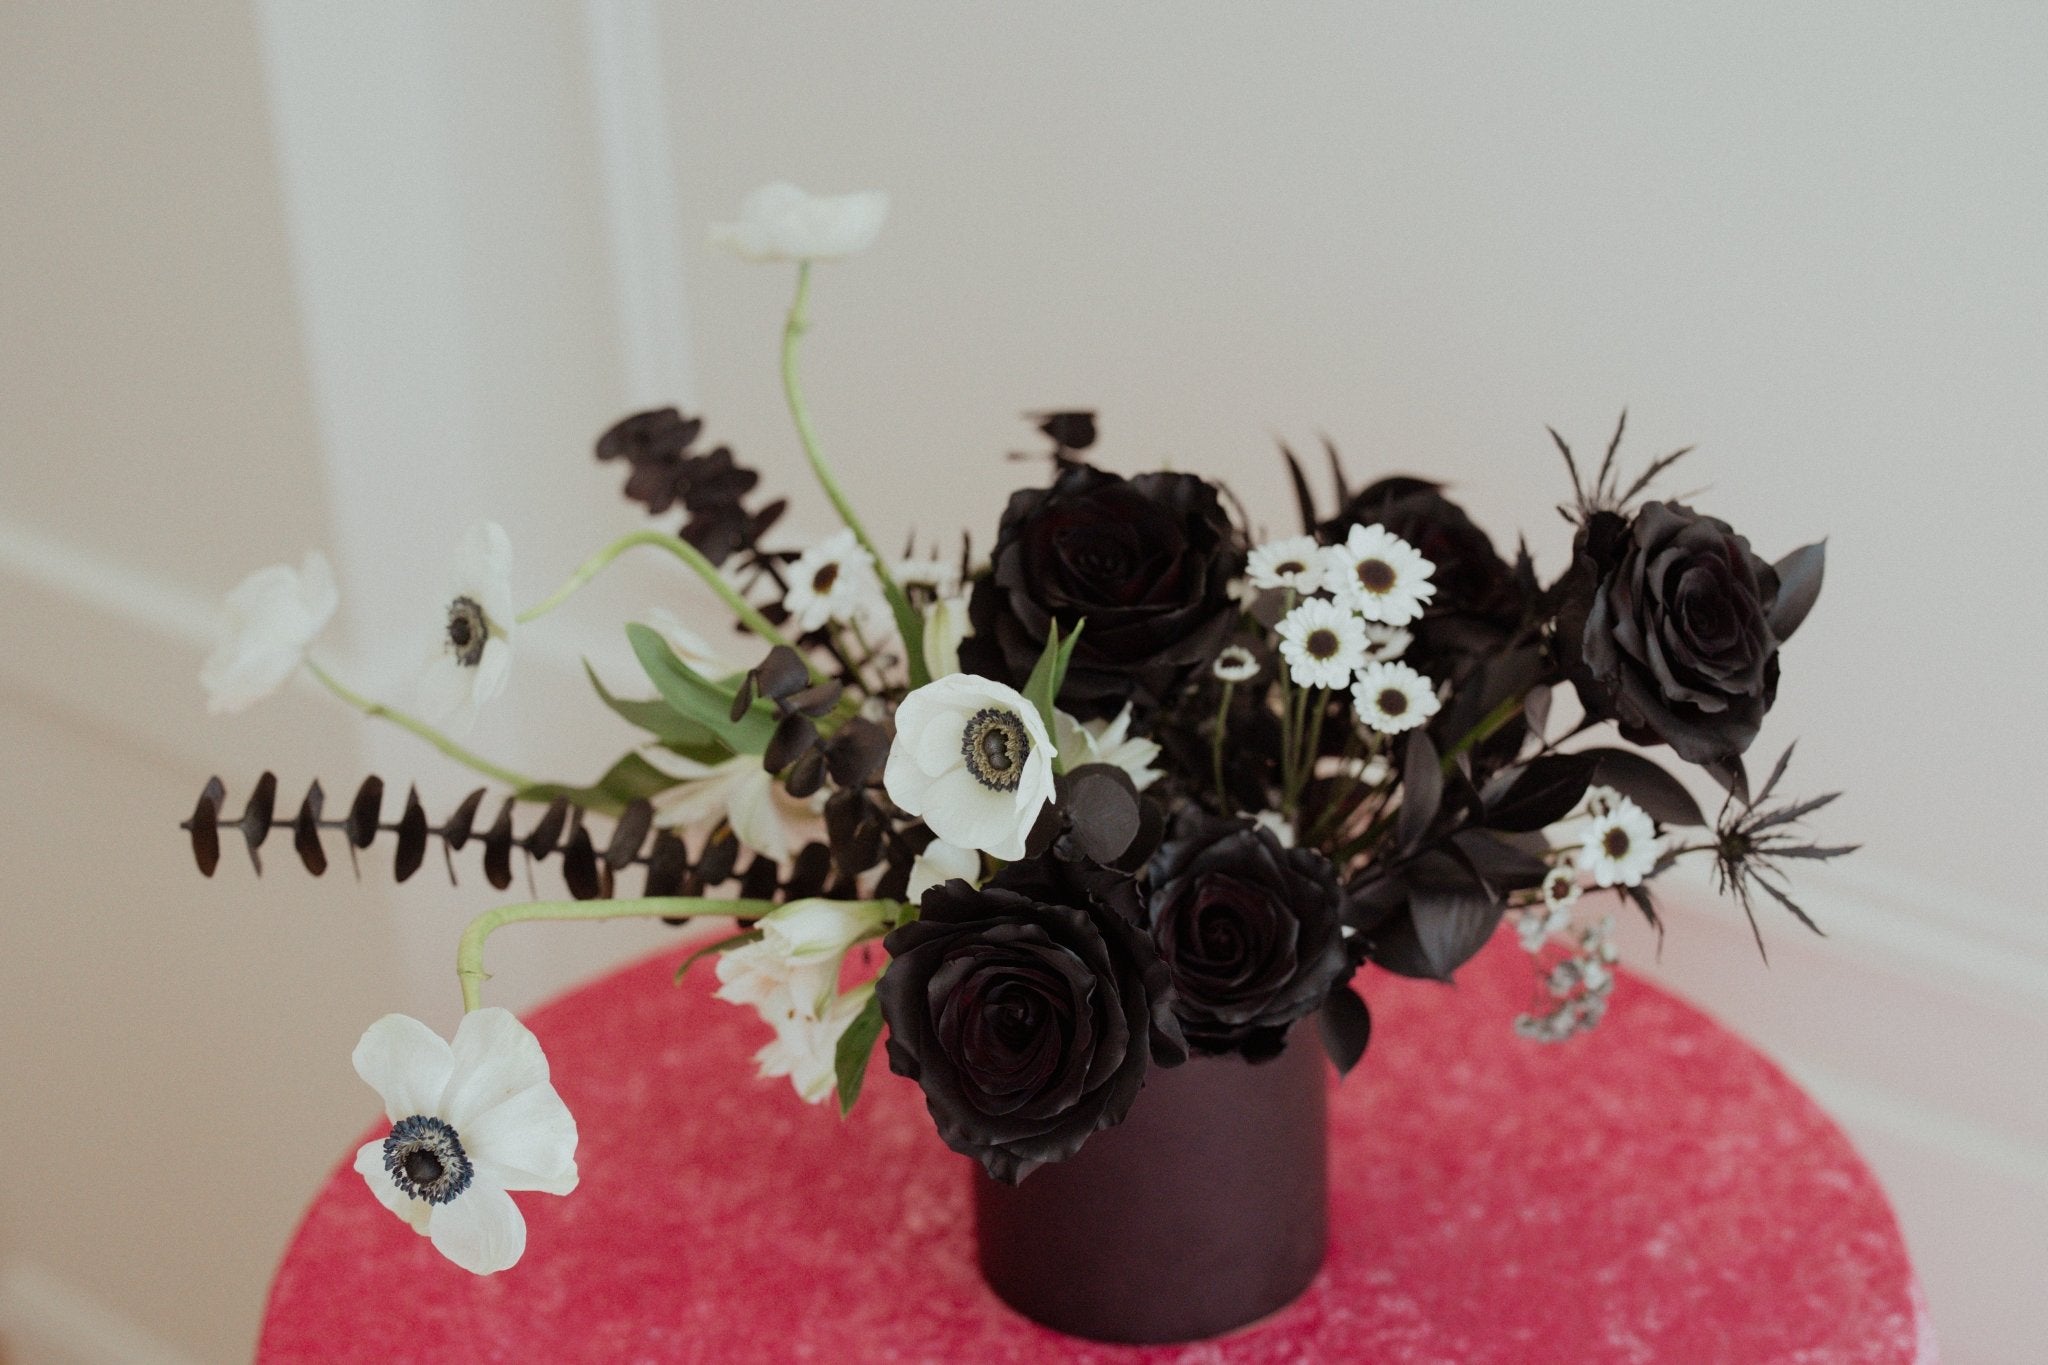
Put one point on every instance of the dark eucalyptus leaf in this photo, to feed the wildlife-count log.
(629, 833)
(257, 816)
(807, 774)
(361, 825)
(456, 832)
(412, 838)
(781, 674)
(1101, 806)
(306, 830)
(581, 870)
(809, 872)
(720, 856)
(540, 841)
(668, 862)
(795, 735)
(498, 849)
(204, 826)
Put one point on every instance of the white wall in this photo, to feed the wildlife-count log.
(300, 274)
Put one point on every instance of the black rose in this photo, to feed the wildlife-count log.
(1146, 561)
(1480, 600)
(1028, 1011)
(1250, 931)
(1669, 624)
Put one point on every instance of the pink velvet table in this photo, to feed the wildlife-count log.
(1656, 1191)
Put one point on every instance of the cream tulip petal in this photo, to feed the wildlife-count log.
(480, 1230)
(526, 1143)
(370, 1166)
(406, 1063)
(496, 1057)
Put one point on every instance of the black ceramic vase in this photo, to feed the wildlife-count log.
(1204, 1210)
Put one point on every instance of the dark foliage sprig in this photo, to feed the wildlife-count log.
(1750, 838)
(590, 870)
(1604, 492)
(711, 487)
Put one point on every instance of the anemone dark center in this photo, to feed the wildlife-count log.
(1615, 842)
(467, 631)
(824, 578)
(1393, 702)
(424, 1158)
(1375, 575)
(1321, 644)
(995, 745)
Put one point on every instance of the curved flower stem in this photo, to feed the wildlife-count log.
(469, 955)
(379, 710)
(682, 549)
(908, 623)
(1216, 747)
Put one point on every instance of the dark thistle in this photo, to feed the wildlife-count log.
(1750, 838)
(1604, 492)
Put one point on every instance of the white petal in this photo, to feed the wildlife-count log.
(483, 570)
(526, 1143)
(496, 1057)
(444, 696)
(491, 670)
(480, 1230)
(750, 804)
(941, 862)
(406, 1063)
(370, 1166)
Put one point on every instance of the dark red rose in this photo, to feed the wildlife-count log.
(1028, 1011)
(1147, 562)
(1249, 930)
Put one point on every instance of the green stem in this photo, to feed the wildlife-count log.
(682, 549)
(380, 711)
(908, 623)
(469, 955)
(1216, 747)
(1488, 726)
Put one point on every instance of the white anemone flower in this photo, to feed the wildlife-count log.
(834, 580)
(738, 790)
(1235, 664)
(1296, 563)
(1107, 741)
(1323, 643)
(972, 757)
(473, 656)
(780, 222)
(468, 1122)
(1620, 846)
(269, 619)
(945, 626)
(940, 863)
(1392, 698)
(1382, 576)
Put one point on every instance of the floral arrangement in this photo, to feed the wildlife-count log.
(1139, 785)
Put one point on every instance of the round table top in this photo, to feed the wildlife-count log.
(1654, 1191)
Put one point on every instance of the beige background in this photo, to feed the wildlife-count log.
(285, 275)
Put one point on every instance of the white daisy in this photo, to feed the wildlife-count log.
(1296, 563)
(1392, 697)
(1560, 888)
(834, 580)
(762, 814)
(1620, 847)
(940, 863)
(1382, 576)
(1386, 642)
(468, 1123)
(1106, 741)
(1323, 643)
(473, 655)
(972, 757)
(1235, 664)
(780, 222)
(269, 619)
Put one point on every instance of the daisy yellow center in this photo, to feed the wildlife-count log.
(995, 745)
(1394, 702)
(467, 631)
(1615, 843)
(1321, 643)
(1375, 575)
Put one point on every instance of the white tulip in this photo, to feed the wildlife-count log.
(972, 757)
(270, 618)
(468, 1122)
(780, 222)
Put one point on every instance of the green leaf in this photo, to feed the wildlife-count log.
(698, 699)
(1049, 674)
(626, 781)
(676, 732)
(723, 945)
(856, 1045)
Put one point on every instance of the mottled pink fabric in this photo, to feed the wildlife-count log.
(1654, 1192)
